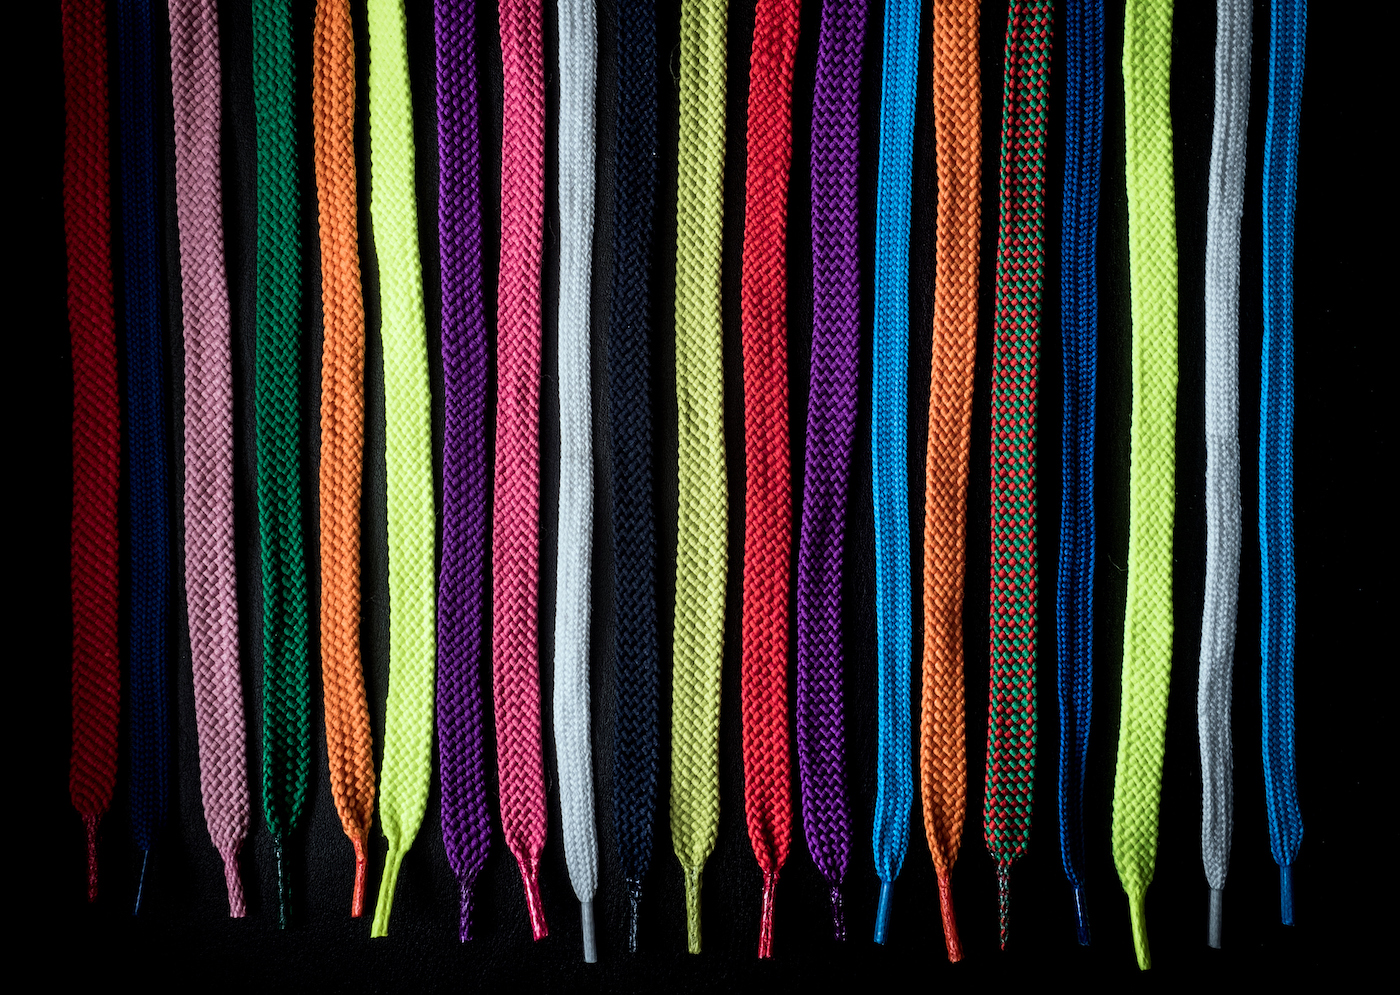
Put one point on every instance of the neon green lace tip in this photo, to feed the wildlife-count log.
(384, 904)
(1137, 911)
(692, 909)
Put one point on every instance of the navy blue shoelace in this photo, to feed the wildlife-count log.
(629, 376)
(1287, 28)
(148, 542)
(1074, 596)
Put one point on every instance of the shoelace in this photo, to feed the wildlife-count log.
(1287, 34)
(894, 785)
(1011, 725)
(1079, 314)
(635, 730)
(957, 109)
(211, 592)
(516, 522)
(1222, 417)
(831, 419)
(407, 766)
(768, 485)
(96, 703)
(286, 678)
(466, 823)
(578, 60)
(1147, 628)
(148, 539)
(349, 751)
(702, 517)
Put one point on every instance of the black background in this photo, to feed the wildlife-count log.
(183, 930)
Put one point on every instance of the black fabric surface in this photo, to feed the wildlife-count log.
(183, 934)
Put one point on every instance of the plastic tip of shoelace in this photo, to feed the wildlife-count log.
(141, 881)
(1004, 900)
(90, 821)
(530, 875)
(765, 919)
(950, 922)
(1285, 893)
(357, 897)
(1081, 916)
(464, 932)
(590, 940)
(882, 913)
(1217, 915)
(634, 911)
(838, 915)
(236, 907)
(692, 909)
(283, 896)
(1137, 911)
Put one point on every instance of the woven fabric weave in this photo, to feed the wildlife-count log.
(211, 591)
(407, 765)
(957, 113)
(1147, 627)
(349, 749)
(702, 517)
(87, 231)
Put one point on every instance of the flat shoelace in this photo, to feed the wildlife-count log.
(635, 731)
(349, 751)
(96, 702)
(515, 551)
(286, 678)
(831, 419)
(1222, 417)
(1287, 35)
(407, 766)
(1079, 314)
(1020, 275)
(148, 503)
(466, 822)
(768, 484)
(211, 591)
(1147, 627)
(957, 110)
(702, 517)
(578, 61)
(894, 786)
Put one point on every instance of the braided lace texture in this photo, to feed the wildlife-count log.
(96, 702)
(1287, 31)
(578, 58)
(466, 823)
(768, 485)
(148, 502)
(516, 522)
(349, 751)
(1223, 514)
(211, 594)
(286, 679)
(702, 518)
(894, 785)
(831, 416)
(1074, 592)
(633, 518)
(1020, 277)
(1147, 629)
(957, 110)
(407, 765)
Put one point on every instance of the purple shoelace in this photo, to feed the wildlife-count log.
(466, 825)
(831, 415)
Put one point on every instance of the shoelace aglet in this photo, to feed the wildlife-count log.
(90, 821)
(1285, 893)
(468, 900)
(1004, 899)
(838, 915)
(1081, 915)
(765, 919)
(1217, 915)
(1137, 913)
(283, 899)
(692, 909)
(141, 881)
(357, 897)
(950, 922)
(634, 909)
(237, 909)
(530, 876)
(590, 940)
(882, 914)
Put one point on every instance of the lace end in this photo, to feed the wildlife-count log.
(530, 877)
(1285, 893)
(1004, 900)
(1081, 915)
(467, 902)
(950, 922)
(90, 821)
(882, 914)
(590, 940)
(634, 910)
(1217, 914)
(692, 909)
(237, 909)
(384, 904)
(1137, 910)
(838, 915)
(141, 881)
(765, 920)
(283, 886)
(357, 897)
